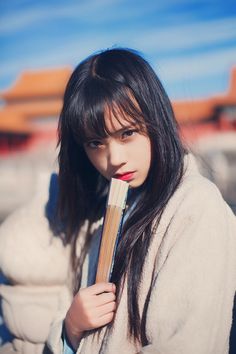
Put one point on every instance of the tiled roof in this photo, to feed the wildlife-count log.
(39, 94)
(41, 83)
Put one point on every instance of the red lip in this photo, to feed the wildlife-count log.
(125, 176)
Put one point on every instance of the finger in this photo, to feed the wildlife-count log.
(103, 320)
(105, 309)
(105, 298)
(100, 288)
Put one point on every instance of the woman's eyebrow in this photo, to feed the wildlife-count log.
(95, 137)
(92, 137)
(122, 129)
(110, 133)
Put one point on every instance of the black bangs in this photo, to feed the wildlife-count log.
(98, 100)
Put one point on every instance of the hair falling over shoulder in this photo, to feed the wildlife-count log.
(117, 78)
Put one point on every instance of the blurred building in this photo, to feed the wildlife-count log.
(209, 128)
(211, 115)
(28, 121)
(30, 110)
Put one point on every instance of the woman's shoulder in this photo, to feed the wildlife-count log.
(195, 217)
(196, 200)
(195, 188)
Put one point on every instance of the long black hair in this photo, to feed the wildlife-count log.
(119, 79)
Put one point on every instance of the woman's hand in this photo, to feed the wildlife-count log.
(91, 308)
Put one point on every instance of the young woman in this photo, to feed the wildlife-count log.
(173, 282)
(174, 276)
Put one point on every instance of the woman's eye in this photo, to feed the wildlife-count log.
(94, 144)
(128, 133)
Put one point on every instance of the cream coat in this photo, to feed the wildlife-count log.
(190, 268)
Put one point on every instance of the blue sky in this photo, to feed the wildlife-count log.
(190, 43)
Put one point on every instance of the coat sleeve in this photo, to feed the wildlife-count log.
(190, 307)
(55, 340)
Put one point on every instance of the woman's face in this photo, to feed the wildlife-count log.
(124, 154)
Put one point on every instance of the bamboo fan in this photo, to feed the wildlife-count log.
(111, 228)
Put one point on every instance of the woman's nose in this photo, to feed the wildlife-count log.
(116, 154)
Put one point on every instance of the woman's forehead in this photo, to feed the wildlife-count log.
(116, 120)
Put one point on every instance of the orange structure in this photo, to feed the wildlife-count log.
(32, 105)
(31, 109)
(35, 94)
(204, 116)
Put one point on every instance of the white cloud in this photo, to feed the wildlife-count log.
(89, 12)
(24, 18)
(77, 47)
(196, 66)
(171, 70)
(69, 53)
(155, 42)
(187, 35)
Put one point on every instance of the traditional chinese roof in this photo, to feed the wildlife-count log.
(190, 111)
(34, 94)
(38, 84)
(39, 94)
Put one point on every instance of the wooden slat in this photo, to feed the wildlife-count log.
(113, 217)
